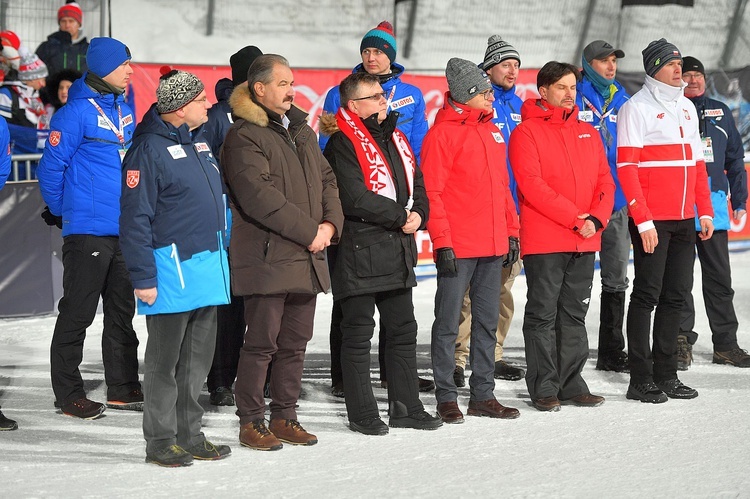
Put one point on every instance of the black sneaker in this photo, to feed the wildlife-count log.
(222, 396)
(615, 362)
(684, 353)
(133, 401)
(369, 426)
(421, 420)
(646, 392)
(173, 456)
(83, 408)
(505, 371)
(7, 424)
(337, 390)
(459, 378)
(736, 357)
(206, 451)
(674, 389)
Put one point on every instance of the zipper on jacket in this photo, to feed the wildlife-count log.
(684, 169)
(176, 257)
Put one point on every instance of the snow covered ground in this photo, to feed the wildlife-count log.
(694, 448)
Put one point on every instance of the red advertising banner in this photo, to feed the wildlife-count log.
(312, 85)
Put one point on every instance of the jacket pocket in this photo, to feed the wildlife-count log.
(377, 253)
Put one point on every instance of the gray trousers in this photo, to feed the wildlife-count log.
(179, 353)
(483, 277)
(615, 253)
(554, 323)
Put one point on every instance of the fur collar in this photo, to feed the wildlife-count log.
(328, 124)
(243, 107)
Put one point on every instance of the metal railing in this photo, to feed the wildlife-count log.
(21, 168)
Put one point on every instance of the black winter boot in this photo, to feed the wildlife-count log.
(611, 355)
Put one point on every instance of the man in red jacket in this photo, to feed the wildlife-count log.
(663, 174)
(566, 194)
(472, 217)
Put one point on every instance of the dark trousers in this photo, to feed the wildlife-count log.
(662, 280)
(718, 294)
(178, 356)
(336, 338)
(357, 326)
(554, 323)
(93, 268)
(230, 334)
(278, 329)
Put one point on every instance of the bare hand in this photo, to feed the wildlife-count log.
(322, 240)
(649, 240)
(588, 229)
(737, 215)
(707, 229)
(413, 221)
(146, 295)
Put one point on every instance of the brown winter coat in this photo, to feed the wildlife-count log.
(280, 187)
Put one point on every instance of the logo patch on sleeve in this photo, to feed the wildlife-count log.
(54, 138)
(132, 178)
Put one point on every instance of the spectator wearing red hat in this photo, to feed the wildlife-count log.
(66, 48)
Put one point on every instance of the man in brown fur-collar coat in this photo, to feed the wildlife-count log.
(286, 211)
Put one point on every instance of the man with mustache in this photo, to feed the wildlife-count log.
(566, 194)
(285, 212)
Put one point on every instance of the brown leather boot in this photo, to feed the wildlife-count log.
(256, 436)
(291, 432)
(450, 413)
(491, 408)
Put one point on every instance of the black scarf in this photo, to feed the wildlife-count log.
(101, 86)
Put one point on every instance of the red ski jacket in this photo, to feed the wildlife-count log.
(562, 172)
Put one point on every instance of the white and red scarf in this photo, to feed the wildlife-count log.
(377, 172)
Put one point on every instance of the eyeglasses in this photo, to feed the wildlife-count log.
(200, 101)
(375, 97)
(487, 94)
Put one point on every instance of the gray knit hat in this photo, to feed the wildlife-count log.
(497, 51)
(465, 80)
(31, 68)
(176, 90)
(657, 54)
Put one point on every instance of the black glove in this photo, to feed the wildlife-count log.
(51, 219)
(514, 250)
(445, 261)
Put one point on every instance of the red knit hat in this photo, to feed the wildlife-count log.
(10, 39)
(71, 9)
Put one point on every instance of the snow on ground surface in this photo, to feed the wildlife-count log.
(693, 448)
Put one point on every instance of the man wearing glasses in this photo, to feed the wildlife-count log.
(722, 150)
(501, 62)
(472, 218)
(383, 198)
(176, 257)
(566, 195)
(378, 52)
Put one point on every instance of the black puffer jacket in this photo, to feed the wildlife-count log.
(374, 254)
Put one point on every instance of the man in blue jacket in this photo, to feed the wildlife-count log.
(599, 98)
(5, 423)
(722, 149)
(172, 231)
(79, 178)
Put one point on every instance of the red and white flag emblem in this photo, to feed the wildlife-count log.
(133, 177)
(54, 138)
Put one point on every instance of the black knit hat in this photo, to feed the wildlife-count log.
(657, 54)
(241, 62)
(692, 64)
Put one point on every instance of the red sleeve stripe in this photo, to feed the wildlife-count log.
(667, 152)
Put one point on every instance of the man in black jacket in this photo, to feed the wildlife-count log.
(384, 203)
(66, 48)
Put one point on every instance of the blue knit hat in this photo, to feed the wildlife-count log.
(105, 54)
(382, 38)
